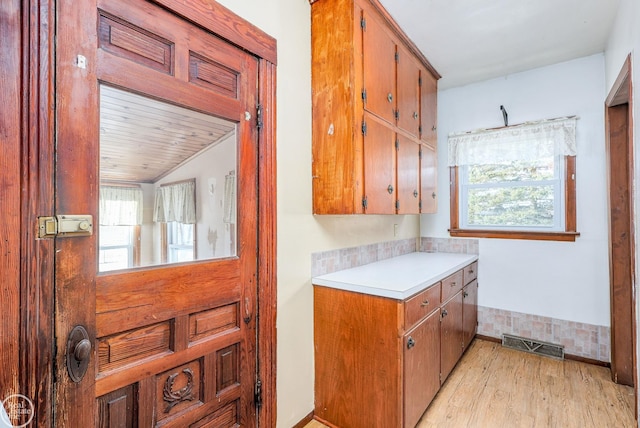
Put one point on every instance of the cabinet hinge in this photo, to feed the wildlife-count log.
(397, 57)
(420, 129)
(364, 128)
(420, 152)
(365, 203)
(259, 117)
(397, 204)
(258, 394)
(397, 114)
(420, 204)
(364, 95)
(363, 23)
(420, 81)
(397, 145)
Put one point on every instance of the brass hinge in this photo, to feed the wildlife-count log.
(65, 226)
(365, 203)
(364, 128)
(258, 394)
(259, 117)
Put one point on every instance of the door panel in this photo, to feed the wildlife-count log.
(470, 312)
(428, 180)
(379, 51)
(379, 168)
(428, 108)
(450, 335)
(175, 345)
(408, 92)
(408, 176)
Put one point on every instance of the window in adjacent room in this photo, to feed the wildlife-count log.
(515, 182)
(175, 210)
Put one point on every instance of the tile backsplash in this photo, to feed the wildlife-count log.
(449, 245)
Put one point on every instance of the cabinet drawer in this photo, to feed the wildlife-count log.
(470, 272)
(451, 285)
(420, 305)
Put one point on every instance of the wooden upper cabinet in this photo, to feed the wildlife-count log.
(428, 108)
(408, 106)
(379, 68)
(428, 180)
(379, 168)
(408, 167)
(356, 79)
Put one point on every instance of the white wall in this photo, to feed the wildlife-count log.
(561, 280)
(625, 40)
(299, 232)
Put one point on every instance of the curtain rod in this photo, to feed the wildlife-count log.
(497, 128)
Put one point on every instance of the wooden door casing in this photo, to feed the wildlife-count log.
(206, 342)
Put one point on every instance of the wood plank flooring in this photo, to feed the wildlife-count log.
(496, 387)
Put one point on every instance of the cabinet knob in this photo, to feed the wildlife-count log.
(390, 189)
(444, 313)
(433, 195)
(425, 303)
(415, 193)
(389, 97)
(410, 343)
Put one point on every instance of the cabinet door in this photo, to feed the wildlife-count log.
(421, 367)
(379, 66)
(379, 168)
(428, 108)
(408, 110)
(450, 335)
(470, 311)
(408, 153)
(428, 180)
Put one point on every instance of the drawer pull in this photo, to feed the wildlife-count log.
(470, 270)
(453, 284)
(444, 313)
(410, 343)
(425, 303)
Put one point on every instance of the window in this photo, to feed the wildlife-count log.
(175, 209)
(180, 246)
(514, 182)
(119, 233)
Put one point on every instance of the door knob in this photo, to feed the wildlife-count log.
(78, 353)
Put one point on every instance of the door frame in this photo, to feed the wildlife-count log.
(619, 143)
(28, 66)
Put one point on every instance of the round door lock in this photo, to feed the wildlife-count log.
(78, 353)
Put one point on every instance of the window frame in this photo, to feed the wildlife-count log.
(570, 231)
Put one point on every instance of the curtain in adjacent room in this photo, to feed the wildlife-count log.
(120, 206)
(176, 202)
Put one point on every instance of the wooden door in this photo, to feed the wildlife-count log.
(379, 168)
(450, 335)
(470, 312)
(408, 93)
(379, 68)
(421, 367)
(428, 180)
(428, 108)
(171, 344)
(408, 156)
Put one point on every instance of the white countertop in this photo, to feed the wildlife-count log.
(398, 277)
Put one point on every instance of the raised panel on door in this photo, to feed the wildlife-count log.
(408, 111)
(450, 335)
(379, 168)
(421, 367)
(379, 68)
(172, 158)
(470, 312)
(428, 108)
(408, 173)
(428, 180)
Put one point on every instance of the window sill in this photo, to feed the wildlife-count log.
(506, 234)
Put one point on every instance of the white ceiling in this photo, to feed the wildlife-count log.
(473, 40)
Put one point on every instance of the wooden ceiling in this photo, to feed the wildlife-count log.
(142, 139)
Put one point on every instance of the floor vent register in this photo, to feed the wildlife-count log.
(533, 346)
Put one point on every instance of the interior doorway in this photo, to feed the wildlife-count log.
(622, 267)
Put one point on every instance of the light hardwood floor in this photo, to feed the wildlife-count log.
(495, 387)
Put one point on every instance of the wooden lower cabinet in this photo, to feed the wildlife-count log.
(450, 335)
(421, 362)
(469, 312)
(380, 361)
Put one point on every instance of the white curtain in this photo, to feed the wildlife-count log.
(229, 215)
(531, 140)
(176, 202)
(120, 206)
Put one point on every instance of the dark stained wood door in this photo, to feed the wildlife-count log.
(172, 345)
